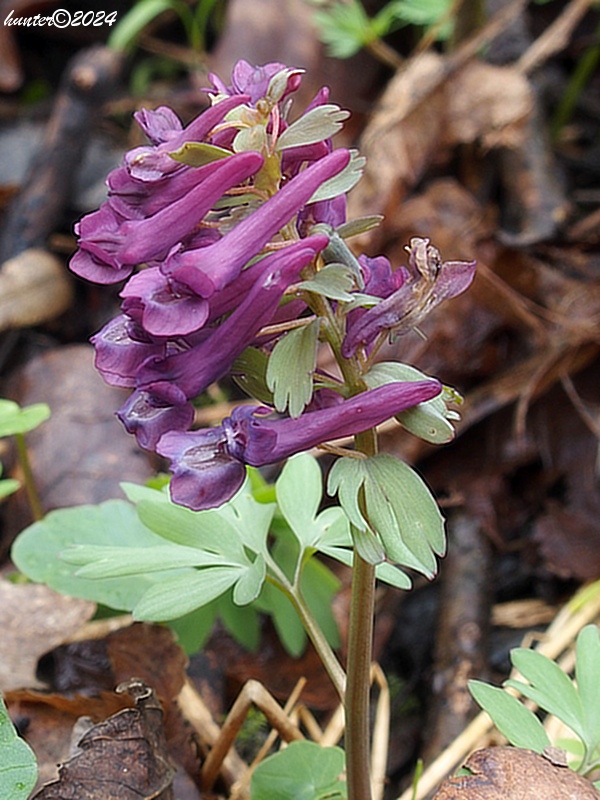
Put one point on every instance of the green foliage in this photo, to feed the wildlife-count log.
(429, 420)
(345, 27)
(578, 706)
(194, 19)
(385, 498)
(16, 421)
(303, 771)
(334, 281)
(291, 367)
(18, 767)
(165, 562)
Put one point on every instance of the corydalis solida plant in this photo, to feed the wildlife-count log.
(231, 234)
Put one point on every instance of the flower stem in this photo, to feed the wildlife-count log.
(360, 638)
(30, 487)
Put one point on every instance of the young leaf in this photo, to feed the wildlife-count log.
(250, 518)
(18, 766)
(291, 367)
(550, 687)
(586, 673)
(317, 124)
(249, 371)
(428, 420)
(520, 725)
(346, 477)
(14, 419)
(343, 181)
(334, 281)
(303, 771)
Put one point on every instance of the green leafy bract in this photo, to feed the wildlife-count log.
(428, 420)
(249, 371)
(334, 281)
(197, 154)
(520, 725)
(398, 507)
(343, 181)
(303, 771)
(291, 367)
(18, 766)
(316, 125)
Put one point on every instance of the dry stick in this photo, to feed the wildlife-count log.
(252, 693)
(554, 38)
(583, 608)
(241, 787)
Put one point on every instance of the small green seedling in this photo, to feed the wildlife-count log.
(575, 703)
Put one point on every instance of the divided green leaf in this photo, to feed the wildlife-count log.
(549, 687)
(343, 181)
(249, 371)
(291, 367)
(316, 125)
(520, 725)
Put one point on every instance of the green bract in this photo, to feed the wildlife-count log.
(291, 367)
(397, 506)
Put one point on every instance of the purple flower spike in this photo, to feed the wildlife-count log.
(428, 283)
(110, 247)
(208, 269)
(207, 465)
(194, 370)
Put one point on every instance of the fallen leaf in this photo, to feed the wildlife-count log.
(123, 758)
(33, 620)
(509, 773)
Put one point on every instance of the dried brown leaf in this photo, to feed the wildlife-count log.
(509, 773)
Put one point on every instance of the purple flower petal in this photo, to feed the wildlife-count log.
(149, 413)
(211, 268)
(119, 353)
(162, 307)
(194, 370)
(204, 474)
(206, 459)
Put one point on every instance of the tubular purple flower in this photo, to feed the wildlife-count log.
(121, 347)
(161, 306)
(194, 370)
(150, 413)
(111, 247)
(211, 268)
(148, 163)
(428, 284)
(207, 465)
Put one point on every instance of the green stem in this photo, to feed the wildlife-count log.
(360, 639)
(311, 626)
(30, 487)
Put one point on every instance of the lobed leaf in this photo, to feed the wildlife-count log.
(520, 725)
(316, 125)
(333, 280)
(586, 673)
(14, 419)
(343, 181)
(550, 687)
(291, 367)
